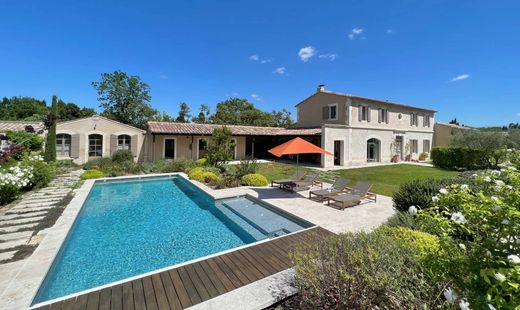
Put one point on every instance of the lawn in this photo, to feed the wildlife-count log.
(385, 179)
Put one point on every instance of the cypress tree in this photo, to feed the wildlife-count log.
(50, 143)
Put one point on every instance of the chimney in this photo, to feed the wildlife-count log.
(320, 88)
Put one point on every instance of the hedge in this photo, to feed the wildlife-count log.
(458, 158)
(254, 179)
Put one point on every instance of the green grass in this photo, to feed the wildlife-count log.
(385, 179)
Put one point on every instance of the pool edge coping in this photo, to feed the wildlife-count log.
(41, 260)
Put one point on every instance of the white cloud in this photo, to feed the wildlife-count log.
(256, 97)
(264, 61)
(518, 114)
(461, 77)
(389, 31)
(163, 77)
(330, 57)
(280, 70)
(254, 58)
(306, 53)
(355, 32)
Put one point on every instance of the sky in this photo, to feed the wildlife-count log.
(461, 58)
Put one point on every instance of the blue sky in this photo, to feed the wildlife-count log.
(273, 53)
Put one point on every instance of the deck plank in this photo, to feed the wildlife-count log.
(188, 285)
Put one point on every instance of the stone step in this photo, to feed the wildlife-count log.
(15, 228)
(36, 204)
(50, 194)
(41, 199)
(12, 244)
(13, 216)
(21, 221)
(6, 255)
(16, 210)
(16, 235)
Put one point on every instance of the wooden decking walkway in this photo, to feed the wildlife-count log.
(184, 286)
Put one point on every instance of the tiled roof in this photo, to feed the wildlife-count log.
(207, 129)
(20, 126)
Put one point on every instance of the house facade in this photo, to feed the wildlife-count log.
(443, 133)
(359, 130)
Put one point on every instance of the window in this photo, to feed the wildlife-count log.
(169, 148)
(95, 145)
(365, 113)
(383, 116)
(123, 142)
(426, 120)
(414, 146)
(413, 119)
(63, 145)
(202, 148)
(330, 112)
(426, 146)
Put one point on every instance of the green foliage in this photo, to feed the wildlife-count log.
(30, 141)
(50, 143)
(92, 174)
(381, 269)
(220, 147)
(23, 108)
(254, 179)
(421, 243)
(235, 111)
(68, 111)
(174, 166)
(201, 162)
(423, 156)
(491, 145)
(210, 177)
(98, 163)
(204, 115)
(184, 113)
(196, 174)
(124, 98)
(87, 112)
(418, 193)
(122, 157)
(43, 172)
(460, 158)
(247, 166)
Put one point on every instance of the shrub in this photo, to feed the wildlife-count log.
(201, 162)
(423, 156)
(247, 166)
(30, 141)
(196, 174)
(363, 271)
(221, 147)
(254, 179)
(13, 180)
(92, 174)
(15, 151)
(210, 177)
(418, 193)
(174, 166)
(421, 243)
(98, 163)
(50, 142)
(122, 156)
(42, 173)
(459, 158)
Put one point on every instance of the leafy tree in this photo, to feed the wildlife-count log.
(237, 111)
(282, 118)
(87, 112)
(50, 143)
(204, 115)
(124, 98)
(184, 113)
(163, 117)
(221, 147)
(23, 108)
(493, 144)
(454, 121)
(68, 111)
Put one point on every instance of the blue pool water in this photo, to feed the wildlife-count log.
(126, 228)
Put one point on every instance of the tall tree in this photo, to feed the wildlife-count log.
(237, 111)
(184, 113)
(221, 147)
(68, 111)
(454, 121)
(124, 98)
(163, 117)
(282, 118)
(23, 108)
(87, 112)
(204, 115)
(50, 143)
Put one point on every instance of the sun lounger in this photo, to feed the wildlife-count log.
(357, 194)
(337, 188)
(305, 184)
(298, 175)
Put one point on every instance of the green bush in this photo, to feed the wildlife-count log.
(254, 179)
(8, 193)
(122, 156)
(418, 193)
(98, 163)
(247, 166)
(459, 158)
(201, 162)
(365, 271)
(421, 243)
(92, 174)
(196, 174)
(43, 172)
(210, 177)
(175, 166)
(29, 140)
(423, 156)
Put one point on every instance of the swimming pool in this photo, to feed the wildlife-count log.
(134, 226)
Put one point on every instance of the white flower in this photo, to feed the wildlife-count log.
(487, 179)
(464, 187)
(458, 218)
(464, 305)
(496, 208)
(491, 307)
(494, 198)
(450, 295)
(509, 187)
(474, 175)
(505, 222)
(499, 182)
(435, 198)
(412, 210)
(500, 277)
(514, 259)
(443, 191)
(462, 246)
(496, 172)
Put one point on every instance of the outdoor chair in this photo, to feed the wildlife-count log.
(339, 186)
(305, 184)
(298, 176)
(356, 195)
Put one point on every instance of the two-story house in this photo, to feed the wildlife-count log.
(358, 129)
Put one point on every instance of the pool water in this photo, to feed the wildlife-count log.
(127, 228)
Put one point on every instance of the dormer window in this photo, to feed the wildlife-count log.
(413, 119)
(330, 112)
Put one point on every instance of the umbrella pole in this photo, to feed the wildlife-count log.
(297, 163)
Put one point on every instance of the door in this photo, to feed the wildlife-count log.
(399, 147)
(169, 148)
(337, 153)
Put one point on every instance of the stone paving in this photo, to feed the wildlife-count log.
(20, 223)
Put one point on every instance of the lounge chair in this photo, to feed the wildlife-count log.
(356, 195)
(337, 188)
(305, 184)
(298, 176)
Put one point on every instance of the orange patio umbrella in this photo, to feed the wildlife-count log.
(296, 147)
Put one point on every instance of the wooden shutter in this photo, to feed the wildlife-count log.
(411, 119)
(360, 112)
(113, 144)
(379, 115)
(325, 113)
(133, 145)
(74, 146)
(368, 114)
(386, 114)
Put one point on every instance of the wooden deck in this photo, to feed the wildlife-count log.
(184, 286)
